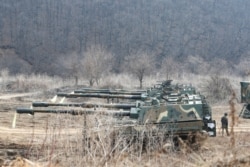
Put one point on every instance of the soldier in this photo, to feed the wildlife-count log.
(224, 124)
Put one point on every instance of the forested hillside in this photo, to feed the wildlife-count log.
(38, 36)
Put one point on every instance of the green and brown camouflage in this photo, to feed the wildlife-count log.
(190, 111)
(245, 98)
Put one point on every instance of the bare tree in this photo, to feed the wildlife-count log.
(243, 66)
(217, 88)
(73, 65)
(169, 67)
(140, 64)
(96, 62)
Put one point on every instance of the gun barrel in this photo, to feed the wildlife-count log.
(98, 95)
(122, 92)
(33, 111)
(47, 104)
(109, 90)
(84, 105)
(73, 112)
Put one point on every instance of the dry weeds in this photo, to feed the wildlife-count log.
(60, 140)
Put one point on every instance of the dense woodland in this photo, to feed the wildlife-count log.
(55, 36)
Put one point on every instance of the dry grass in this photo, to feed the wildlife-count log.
(31, 83)
(35, 82)
(59, 139)
(65, 140)
(62, 142)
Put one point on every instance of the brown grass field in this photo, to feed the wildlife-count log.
(56, 140)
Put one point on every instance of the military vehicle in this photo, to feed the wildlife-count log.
(167, 109)
(245, 98)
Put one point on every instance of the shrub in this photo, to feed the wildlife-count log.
(217, 88)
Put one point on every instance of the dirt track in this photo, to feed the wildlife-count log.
(15, 95)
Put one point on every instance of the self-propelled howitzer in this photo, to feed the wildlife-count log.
(192, 114)
(169, 109)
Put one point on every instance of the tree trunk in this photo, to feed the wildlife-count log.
(76, 80)
(140, 83)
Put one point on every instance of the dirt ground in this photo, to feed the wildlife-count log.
(17, 137)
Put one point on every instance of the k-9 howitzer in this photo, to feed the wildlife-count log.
(177, 110)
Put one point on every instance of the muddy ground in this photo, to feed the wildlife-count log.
(17, 138)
